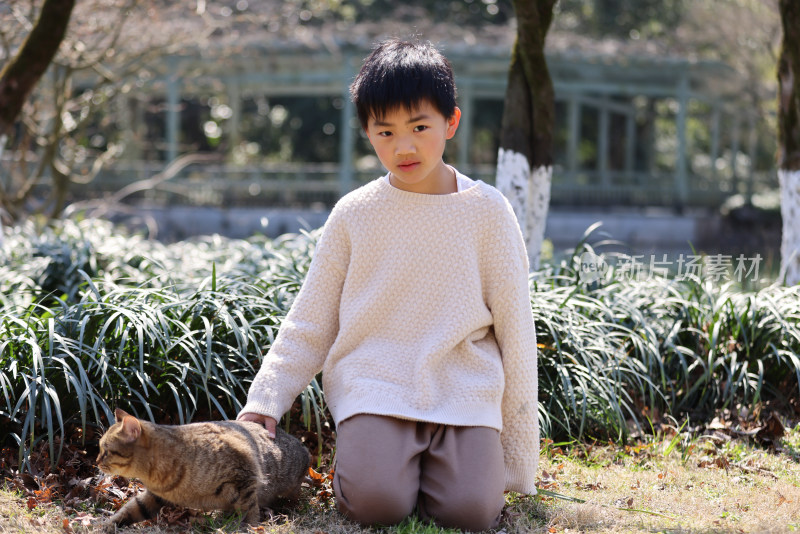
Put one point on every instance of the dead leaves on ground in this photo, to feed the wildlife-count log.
(74, 482)
(322, 487)
(732, 425)
(86, 495)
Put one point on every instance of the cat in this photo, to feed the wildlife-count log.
(225, 465)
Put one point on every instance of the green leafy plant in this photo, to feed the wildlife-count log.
(92, 319)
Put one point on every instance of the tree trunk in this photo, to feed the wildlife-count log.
(525, 157)
(789, 139)
(20, 75)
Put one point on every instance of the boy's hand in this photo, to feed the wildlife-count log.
(269, 423)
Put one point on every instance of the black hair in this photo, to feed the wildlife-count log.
(403, 73)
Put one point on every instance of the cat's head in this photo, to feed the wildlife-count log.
(119, 446)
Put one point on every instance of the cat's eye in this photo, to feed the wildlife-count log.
(119, 454)
(106, 454)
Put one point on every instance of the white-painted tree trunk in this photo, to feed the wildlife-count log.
(790, 212)
(528, 191)
(3, 139)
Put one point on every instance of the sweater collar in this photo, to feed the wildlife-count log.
(399, 195)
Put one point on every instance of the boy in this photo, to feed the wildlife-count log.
(417, 309)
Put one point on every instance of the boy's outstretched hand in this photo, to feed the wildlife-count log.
(268, 422)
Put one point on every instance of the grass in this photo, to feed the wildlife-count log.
(700, 484)
(92, 319)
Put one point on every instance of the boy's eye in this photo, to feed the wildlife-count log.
(420, 128)
(384, 134)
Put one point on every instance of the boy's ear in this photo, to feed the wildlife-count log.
(452, 122)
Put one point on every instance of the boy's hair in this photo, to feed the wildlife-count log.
(403, 73)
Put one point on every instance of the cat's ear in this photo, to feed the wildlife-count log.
(131, 428)
(119, 415)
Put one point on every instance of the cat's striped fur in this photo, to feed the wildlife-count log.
(226, 465)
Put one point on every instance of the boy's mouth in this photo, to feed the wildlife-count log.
(408, 165)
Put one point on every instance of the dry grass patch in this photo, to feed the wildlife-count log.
(698, 486)
(701, 486)
(17, 518)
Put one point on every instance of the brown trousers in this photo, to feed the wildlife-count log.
(386, 466)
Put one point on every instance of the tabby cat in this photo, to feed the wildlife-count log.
(226, 465)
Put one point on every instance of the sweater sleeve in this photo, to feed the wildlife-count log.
(509, 301)
(309, 329)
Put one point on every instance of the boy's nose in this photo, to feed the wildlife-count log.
(404, 146)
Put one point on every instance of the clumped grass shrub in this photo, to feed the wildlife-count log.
(91, 319)
(685, 347)
(726, 347)
(596, 358)
(163, 330)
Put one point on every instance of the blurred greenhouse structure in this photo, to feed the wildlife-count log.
(642, 131)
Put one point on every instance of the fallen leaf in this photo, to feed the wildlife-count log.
(319, 478)
(547, 481)
(590, 487)
(84, 519)
(719, 462)
(716, 424)
(772, 431)
(548, 477)
(624, 502)
(28, 482)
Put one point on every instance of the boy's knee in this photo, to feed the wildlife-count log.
(375, 506)
(377, 471)
(470, 513)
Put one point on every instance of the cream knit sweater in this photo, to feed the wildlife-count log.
(417, 307)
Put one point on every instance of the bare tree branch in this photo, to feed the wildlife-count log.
(100, 207)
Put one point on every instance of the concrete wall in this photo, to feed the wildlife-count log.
(639, 231)
(182, 222)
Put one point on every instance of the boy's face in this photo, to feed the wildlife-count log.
(410, 145)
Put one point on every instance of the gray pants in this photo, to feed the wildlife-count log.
(385, 467)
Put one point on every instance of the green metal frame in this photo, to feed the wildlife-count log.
(580, 82)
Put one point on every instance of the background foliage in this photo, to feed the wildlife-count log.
(92, 319)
